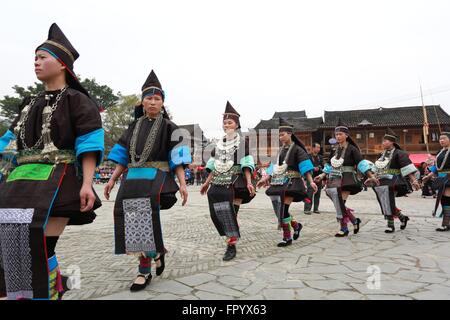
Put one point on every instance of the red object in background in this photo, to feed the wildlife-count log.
(418, 158)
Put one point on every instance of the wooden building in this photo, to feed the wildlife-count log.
(367, 128)
(306, 129)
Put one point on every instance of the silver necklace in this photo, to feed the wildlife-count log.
(337, 163)
(383, 162)
(47, 115)
(281, 169)
(445, 158)
(225, 154)
(139, 160)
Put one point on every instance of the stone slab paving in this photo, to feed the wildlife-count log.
(413, 264)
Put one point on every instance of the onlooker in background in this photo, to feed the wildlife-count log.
(427, 187)
(317, 161)
(188, 175)
(198, 175)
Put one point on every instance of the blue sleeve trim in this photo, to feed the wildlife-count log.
(210, 165)
(180, 156)
(327, 169)
(434, 169)
(305, 166)
(364, 166)
(52, 263)
(269, 170)
(141, 173)
(91, 142)
(6, 139)
(407, 170)
(247, 162)
(119, 154)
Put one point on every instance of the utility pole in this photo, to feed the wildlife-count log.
(425, 122)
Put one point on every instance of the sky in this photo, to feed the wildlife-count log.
(261, 56)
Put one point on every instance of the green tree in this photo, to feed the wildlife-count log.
(103, 94)
(117, 118)
(9, 105)
(3, 128)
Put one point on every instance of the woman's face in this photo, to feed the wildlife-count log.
(46, 66)
(444, 141)
(387, 144)
(285, 137)
(152, 105)
(229, 126)
(341, 137)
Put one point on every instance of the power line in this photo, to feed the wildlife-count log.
(406, 97)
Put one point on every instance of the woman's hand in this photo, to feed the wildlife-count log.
(251, 189)
(108, 188)
(426, 178)
(313, 185)
(371, 182)
(319, 178)
(204, 189)
(264, 182)
(184, 194)
(87, 198)
(416, 185)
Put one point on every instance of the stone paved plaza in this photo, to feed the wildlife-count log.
(413, 264)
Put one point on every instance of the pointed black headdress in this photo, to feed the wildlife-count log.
(391, 136)
(231, 113)
(341, 127)
(446, 131)
(60, 48)
(285, 126)
(152, 86)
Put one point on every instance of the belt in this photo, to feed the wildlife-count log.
(348, 169)
(292, 174)
(161, 165)
(225, 178)
(395, 172)
(281, 179)
(33, 156)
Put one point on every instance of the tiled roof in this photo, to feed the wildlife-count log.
(300, 124)
(382, 117)
(191, 127)
(289, 114)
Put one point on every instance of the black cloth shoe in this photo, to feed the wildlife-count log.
(316, 211)
(404, 222)
(443, 229)
(66, 284)
(307, 212)
(160, 270)
(135, 287)
(230, 253)
(356, 225)
(341, 234)
(297, 231)
(390, 230)
(285, 243)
